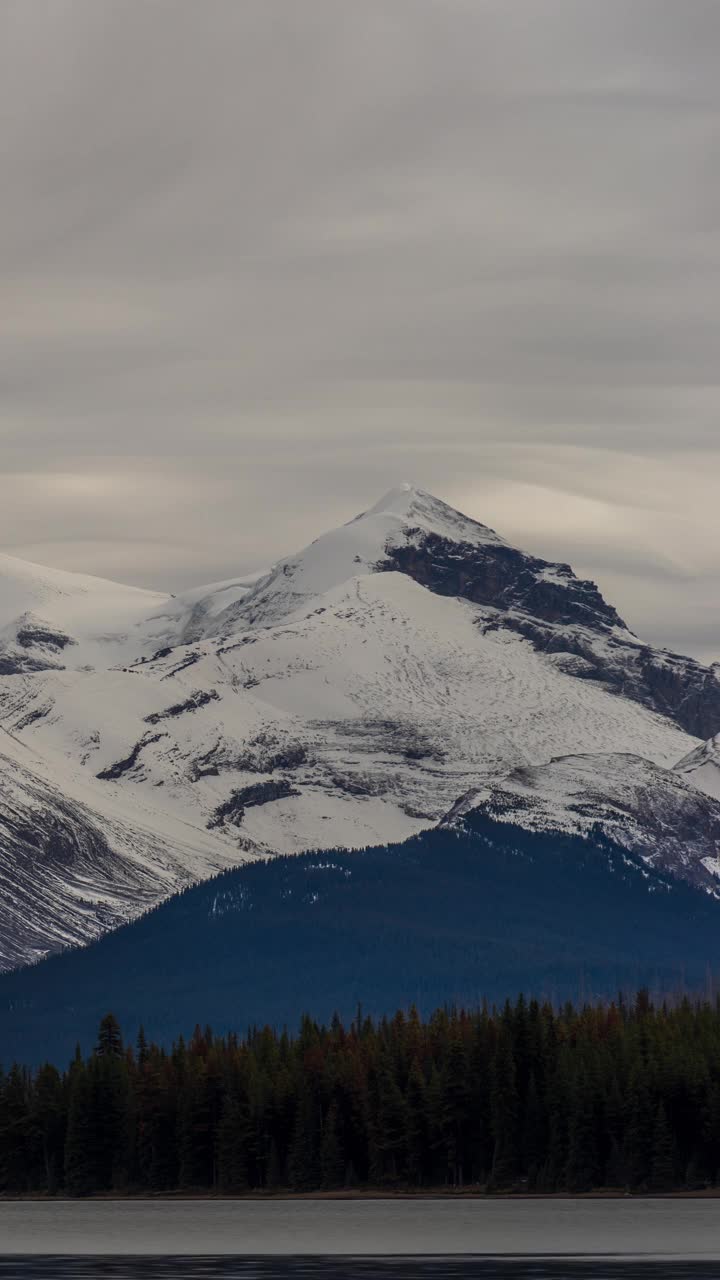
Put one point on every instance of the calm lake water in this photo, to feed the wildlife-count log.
(340, 1240)
(346, 1269)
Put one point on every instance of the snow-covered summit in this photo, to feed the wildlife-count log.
(406, 509)
(75, 600)
(405, 516)
(46, 613)
(410, 532)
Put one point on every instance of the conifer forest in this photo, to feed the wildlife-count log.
(524, 1098)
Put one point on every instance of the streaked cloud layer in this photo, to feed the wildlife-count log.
(260, 261)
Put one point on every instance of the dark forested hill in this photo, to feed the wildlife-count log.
(445, 917)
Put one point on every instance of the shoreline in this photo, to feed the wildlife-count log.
(369, 1194)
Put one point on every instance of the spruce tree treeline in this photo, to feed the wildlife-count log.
(526, 1097)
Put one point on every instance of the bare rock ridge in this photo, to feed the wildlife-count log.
(503, 578)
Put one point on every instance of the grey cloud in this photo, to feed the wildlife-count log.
(261, 261)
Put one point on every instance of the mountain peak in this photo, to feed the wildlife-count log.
(404, 517)
(414, 508)
(399, 495)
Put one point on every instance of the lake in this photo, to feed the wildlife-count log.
(634, 1239)
(324, 1268)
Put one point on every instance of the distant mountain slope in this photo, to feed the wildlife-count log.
(69, 872)
(51, 618)
(657, 813)
(347, 698)
(446, 916)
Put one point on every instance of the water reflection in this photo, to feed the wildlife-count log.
(337, 1268)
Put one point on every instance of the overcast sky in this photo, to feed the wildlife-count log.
(260, 260)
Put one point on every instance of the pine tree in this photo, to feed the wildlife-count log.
(662, 1171)
(504, 1105)
(142, 1051)
(390, 1125)
(111, 1120)
(109, 1043)
(711, 1135)
(533, 1133)
(274, 1176)
(232, 1154)
(416, 1138)
(49, 1120)
(639, 1132)
(304, 1152)
(163, 1129)
(80, 1165)
(195, 1134)
(436, 1136)
(15, 1131)
(456, 1099)
(332, 1157)
(582, 1165)
(558, 1109)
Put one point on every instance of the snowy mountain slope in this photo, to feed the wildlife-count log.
(563, 616)
(403, 516)
(69, 872)
(51, 618)
(388, 699)
(650, 810)
(190, 613)
(345, 699)
(411, 532)
(701, 767)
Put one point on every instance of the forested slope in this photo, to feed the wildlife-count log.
(448, 916)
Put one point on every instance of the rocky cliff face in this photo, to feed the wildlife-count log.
(502, 577)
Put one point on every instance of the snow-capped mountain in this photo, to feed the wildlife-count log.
(346, 698)
(652, 811)
(51, 619)
(404, 517)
